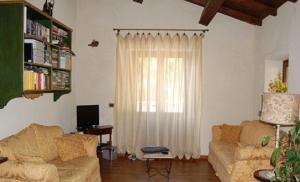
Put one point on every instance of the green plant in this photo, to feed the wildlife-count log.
(286, 158)
(278, 86)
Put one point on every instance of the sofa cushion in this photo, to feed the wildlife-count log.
(76, 170)
(225, 153)
(14, 171)
(28, 158)
(23, 143)
(231, 133)
(250, 152)
(70, 147)
(90, 143)
(254, 131)
(45, 136)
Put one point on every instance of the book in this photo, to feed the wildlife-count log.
(34, 28)
(65, 59)
(61, 80)
(37, 52)
(36, 78)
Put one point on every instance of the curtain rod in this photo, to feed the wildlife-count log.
(154, 29)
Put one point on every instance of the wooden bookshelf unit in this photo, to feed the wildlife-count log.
(35, 53)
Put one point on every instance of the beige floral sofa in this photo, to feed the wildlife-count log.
(235, 152)
(44, 154)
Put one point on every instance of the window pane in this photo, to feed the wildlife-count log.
(172, 85)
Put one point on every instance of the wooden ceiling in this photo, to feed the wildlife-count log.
(250, 11)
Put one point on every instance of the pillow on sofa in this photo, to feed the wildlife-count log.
(23, 142)
(254, 131)
(231, 133)
(90, 143)
(70, 147)
(45, 136)
(5, 151)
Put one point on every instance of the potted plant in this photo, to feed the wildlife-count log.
(278, 85)
(286, 158)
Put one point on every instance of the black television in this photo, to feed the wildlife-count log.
(87, 116)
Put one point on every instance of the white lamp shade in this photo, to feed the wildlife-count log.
(280, 109)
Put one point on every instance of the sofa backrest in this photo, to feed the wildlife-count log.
(22, 143)
(45, 136)
(254, 131)
(35, 140)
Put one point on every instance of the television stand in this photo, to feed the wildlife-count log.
(101, 130)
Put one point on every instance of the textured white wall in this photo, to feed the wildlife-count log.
(278, 39)
(228, 61)
(20, 112)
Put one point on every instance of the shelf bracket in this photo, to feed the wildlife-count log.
(57, 95)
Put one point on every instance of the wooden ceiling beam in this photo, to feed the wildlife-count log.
(232, 13)
(255, 6)
(210, 10)
(241, 16)
(138, 1)
(275, 3)
(198, 2)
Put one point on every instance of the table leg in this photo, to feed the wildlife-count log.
(100, 139)
(169, 168)
(148, 167)
(110, 146)
(165, 172)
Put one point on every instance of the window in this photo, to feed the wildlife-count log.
(160, 88)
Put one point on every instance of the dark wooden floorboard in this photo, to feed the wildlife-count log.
(124, 170)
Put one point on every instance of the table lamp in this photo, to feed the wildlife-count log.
(280, 109)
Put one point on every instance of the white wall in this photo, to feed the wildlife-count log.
(228, 61)
(20, 112)
(278, 39)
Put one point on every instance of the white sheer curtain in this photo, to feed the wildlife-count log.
(158, 93)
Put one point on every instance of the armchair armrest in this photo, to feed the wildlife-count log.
(216, 133)
(90, 143)
(28, 171)
(249, 152)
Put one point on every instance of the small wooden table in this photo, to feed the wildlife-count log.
(102, 130)
(3, 159)
(169, 157)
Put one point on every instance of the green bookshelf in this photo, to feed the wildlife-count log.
(51, 75)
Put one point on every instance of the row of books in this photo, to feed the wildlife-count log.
(61, 80)
(65, 59)
(59, 31)
(36, 78)
(38, 30)
(55, 58)
(37, 52)
(59, 37)
(61, 59)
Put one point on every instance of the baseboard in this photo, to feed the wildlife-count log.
(204, 157)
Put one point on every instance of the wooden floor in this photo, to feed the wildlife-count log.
(124, 170)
